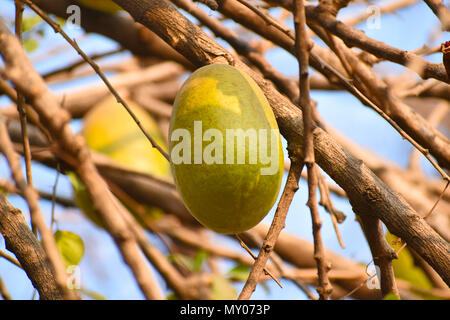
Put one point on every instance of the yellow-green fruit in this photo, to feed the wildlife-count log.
(110, 130)
(225, 147)
(107, 6)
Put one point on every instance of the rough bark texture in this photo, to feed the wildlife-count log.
(20, 240)
(368, 195)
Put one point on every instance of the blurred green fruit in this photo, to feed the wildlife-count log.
(225, 147)
(70, 246)
(109, 129)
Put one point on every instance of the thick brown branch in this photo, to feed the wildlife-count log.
(441, 11)
(302, 48)
(20, 71)
(362, 186)
(37, 216)
(22, 242)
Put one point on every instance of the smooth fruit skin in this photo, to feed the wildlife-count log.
(227, 198)
(107, 6)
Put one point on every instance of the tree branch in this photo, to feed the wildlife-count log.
(21, 73)
(277, 224)
(441, 11)
(362, 186)
(302, 47)
(382, 253)
(22, 242)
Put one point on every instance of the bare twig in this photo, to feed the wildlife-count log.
(275, 228)
(243, 245)
(382, 253)
(10, 259)
(325, 201)
(97, 69)
(434, 118)
(21, 100)
(267, 18)
(441, 11)
(301, 43)
(21, 73)
(367, 77)
(37, 217)
(4, 291)
(73, 66)
(437, 201)
(55, 186)
(20, 240)
(437, 146)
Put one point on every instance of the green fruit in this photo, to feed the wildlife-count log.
(405, 268)
(70, 246)
(227, 175)
(110, 130)
(107, 6)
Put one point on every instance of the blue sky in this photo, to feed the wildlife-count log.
(103, 270)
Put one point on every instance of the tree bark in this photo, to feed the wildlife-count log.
(368, 195)
(21, 241)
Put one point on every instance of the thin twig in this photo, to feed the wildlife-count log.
(441, 11)
(434, 118)
(382, 253)
(4, 293)
(325, 201)
(73, 66)
(97, 69)
(55, 185)
(302, 48)
(351, 88)
(37, 217)
(243, 245)
(363, 98)
(277, 225)
(267, 18)
(370, 277)
(437, 201)
(10, 259)
(21, 100)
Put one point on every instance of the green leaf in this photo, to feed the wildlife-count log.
(221, 288)
(404, 267)
(60, 21)
(193, 264)
(4, 191)
(83, 199)
(94, 295)
(70, 246)
(30, 44)
(390, 296)
(30, 22)
(239, 272)
(200, 257)
(182, 260)
(172, 296)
